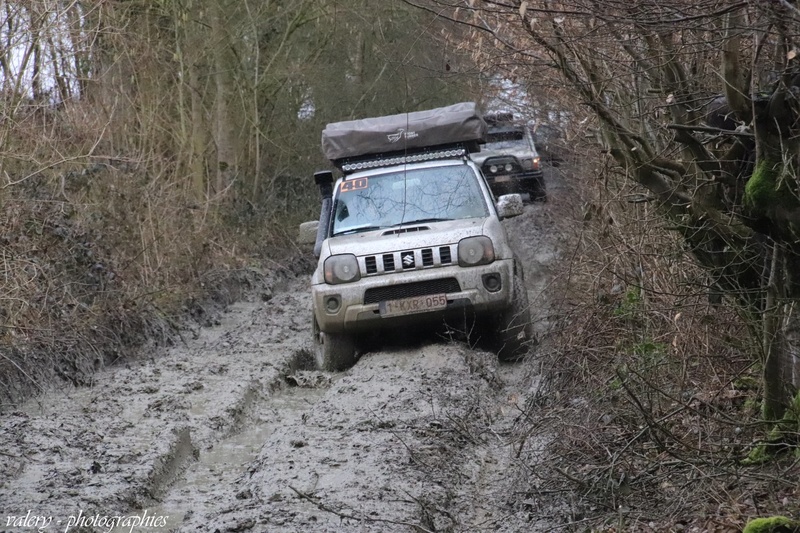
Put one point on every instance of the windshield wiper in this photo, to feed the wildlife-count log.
(358, 230)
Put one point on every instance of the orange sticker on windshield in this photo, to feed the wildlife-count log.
(353, 185)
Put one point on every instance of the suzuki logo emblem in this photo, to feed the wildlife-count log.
(408, 260)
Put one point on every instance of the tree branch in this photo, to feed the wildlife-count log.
(348, 516)
(708, 129)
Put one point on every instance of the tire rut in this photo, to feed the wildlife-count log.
(119, 445)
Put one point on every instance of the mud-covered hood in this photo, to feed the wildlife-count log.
(406, 237)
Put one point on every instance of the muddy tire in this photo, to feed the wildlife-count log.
(536, 191)
(333, 352)
(513, 331)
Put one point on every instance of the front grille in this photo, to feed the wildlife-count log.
(408, 290)
(372, 264)
(407, 260)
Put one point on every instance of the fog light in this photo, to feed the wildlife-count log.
(332, 304)
(492, 282)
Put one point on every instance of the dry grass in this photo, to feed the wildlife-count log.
(99, 255)
(653, 394)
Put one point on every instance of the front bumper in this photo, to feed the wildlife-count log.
(518, 178)
(530, 182)
(358, 310)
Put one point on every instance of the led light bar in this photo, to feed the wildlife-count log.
(404, 159)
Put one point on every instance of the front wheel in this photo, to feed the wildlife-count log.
(513, 330)
(536, 190)
(333, 352)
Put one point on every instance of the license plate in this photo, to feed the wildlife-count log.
(410, 306)
(502, 179)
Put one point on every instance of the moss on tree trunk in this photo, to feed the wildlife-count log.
(761, 192)
(784, 433)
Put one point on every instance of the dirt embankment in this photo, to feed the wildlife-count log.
(230, 431)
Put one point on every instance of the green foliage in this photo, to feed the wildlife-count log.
(620, 377)
(759, 455)
(752, 406)
(746, 383)
(772, 524)
(783, 436)
(631, 304)
(650, 350)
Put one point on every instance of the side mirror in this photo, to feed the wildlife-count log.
(509, 206)
(308, 232)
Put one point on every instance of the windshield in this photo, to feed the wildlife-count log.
(406, 197)
(505, 140)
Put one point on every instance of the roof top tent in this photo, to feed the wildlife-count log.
(350, 143)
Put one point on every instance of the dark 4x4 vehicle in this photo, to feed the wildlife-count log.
(509, 161)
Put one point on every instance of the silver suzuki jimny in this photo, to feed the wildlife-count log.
(410, 235)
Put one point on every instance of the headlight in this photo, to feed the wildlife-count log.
(341, 269)
(474, 251)
(509, 167)
(493, 169)
(527, 164)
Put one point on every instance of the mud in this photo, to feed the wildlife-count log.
(231, 431)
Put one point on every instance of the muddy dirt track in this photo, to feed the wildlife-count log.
(231, 431)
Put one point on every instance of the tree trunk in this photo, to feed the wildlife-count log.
(197, 166)
(36, 20)
(79, 27)
(774, 341)
(791, 334)
(223, 66)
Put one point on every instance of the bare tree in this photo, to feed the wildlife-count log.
(697, 102)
